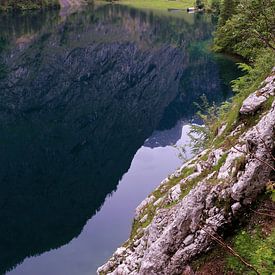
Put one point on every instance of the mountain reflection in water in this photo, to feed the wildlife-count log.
(79, 96)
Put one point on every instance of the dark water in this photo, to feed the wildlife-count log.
(89, 105)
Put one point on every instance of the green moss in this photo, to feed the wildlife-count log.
(161, 191)
(224, 204)
(135, 227)
(267, 105)
(239, 164)
(204, 157)
(186, 188)
(257, 249)
(220, 162)
(150, 212)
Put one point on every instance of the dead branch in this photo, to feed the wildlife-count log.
(262, 213)
(222, 243)
(267, 209)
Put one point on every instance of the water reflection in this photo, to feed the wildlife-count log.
(78, 96)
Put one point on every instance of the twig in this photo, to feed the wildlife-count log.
(262, 213)
(267, 209)
(230, 250)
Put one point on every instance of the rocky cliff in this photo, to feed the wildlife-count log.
(204, 197)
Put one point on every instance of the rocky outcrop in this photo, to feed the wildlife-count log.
(258, 98)
(202, 196)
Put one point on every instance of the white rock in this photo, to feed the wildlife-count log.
(254, 101)
(226, 169)
(188, 240)
(142, 206)
(211, 175)
(237, 130)
(144, 218)
(192, 176)
(158, 201)
(236, 207)
(175, 192)
(120, 252)
(221, 130)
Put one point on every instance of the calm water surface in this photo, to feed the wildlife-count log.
(90, 104)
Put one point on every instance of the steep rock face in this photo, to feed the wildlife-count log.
(180, 231)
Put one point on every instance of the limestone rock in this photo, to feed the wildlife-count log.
(253, 102)
(142, 206)
(174, 193)
(179, 233)
(236, 207)
(144, 218)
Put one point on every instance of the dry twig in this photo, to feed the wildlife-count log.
(262, 213)
(221, 242)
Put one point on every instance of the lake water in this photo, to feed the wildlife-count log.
(91, 103)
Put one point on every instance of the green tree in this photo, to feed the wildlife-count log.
(215, 6)
(249, 30)
(228, 8)
(199, 4)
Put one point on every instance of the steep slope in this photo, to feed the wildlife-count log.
(204, 197)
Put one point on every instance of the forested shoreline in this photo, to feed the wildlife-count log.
(8, 5)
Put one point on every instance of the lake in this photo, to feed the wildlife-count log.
(92, 103)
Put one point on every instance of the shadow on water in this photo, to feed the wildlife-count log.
(78, 97)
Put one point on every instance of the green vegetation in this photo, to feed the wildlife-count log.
(27, 4)
(227, 9)
(158, 4)
(257, 249)
(255, 243)
(172, 4)
(221, 163)
(200, 135)
(228, 113)
(245, 28)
